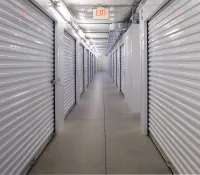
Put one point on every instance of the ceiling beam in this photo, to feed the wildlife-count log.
(102, 23)
(96, 38)
(95, 32)
(135, 5)
(96, 5)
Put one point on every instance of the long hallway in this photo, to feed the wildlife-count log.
(101, 136)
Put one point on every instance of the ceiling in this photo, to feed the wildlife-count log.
(97, 31)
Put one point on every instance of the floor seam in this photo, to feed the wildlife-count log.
(105, 130)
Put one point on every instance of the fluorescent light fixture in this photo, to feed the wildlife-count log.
(75, 25)
(75, 34)
(112, 9)
(81, 14)
(64, 12)
(87, 42)
(89, 10)
(81, 34)
(112, 19)
(81, 17)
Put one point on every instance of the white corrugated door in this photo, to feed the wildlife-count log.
(26, 91)
(113, 55)
(174, 83)
(69, 73)
(122, 69)
(90, 67)
(86, 68)
(116, 67)
(81, 68)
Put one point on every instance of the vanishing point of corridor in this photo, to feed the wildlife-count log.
(101, 136)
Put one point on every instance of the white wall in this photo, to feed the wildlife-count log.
(102, 64)
(132, 54)
(132, 67)
(61, 25)
(99, 65)
(146, 12)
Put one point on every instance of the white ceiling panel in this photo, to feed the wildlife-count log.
(97, 31)
(103, 2)
(96, 35)
(95, 27)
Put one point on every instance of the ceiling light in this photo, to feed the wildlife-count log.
(112, 9)
(81, 14)
(65, 13)
(82, 10)
(87, 42)
(81, 34)
(89, 10)
(82, 17)
(112, 19)
(112, 14)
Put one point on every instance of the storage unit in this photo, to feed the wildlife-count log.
(69, 73)
(116, 68)
(27, 94)
(122, 69)
(113, 61)
(90, 67)
(174, 84)
(81, 68)
(110, 65)
(92, 64)
(87, 67)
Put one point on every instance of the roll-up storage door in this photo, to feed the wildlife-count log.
(111, 66)
(174, 84)
(88, 67)
(92, 66)
(81, 65)
(116, 67)
(122, 69)
(27, 94)
(69, 73)
(113, 58)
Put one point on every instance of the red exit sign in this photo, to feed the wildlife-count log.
(101, 13)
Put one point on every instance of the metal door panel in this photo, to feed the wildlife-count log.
(69, 73)
(81, 68)
(174, 82)
(122, 69)
(27, 94)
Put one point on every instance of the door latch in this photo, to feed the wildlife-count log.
(53, 82)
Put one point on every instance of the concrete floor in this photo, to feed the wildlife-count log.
(101, 136)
